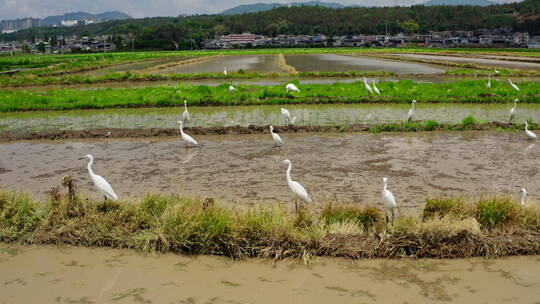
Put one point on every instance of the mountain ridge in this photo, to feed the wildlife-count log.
(109, 15)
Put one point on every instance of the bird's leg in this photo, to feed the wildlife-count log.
(392, 217)
(386, 216)
(105, 200)
(296, 206)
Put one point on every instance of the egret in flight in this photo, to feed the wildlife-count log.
(296, 188)
(277, 139)
(523, 193)
(488, 85)
(512, 84)
(287, 115)
(100, 183)
(292, 87)
(185, 116)
(366, 85)
(188, 139)
(231, 89)
(375, 88)
(410, 115)
(529, 133)
(389, 201)
(513, 110)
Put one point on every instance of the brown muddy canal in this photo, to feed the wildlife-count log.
(83, 275)
(247, 168)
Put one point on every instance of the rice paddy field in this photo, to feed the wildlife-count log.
(455, 166)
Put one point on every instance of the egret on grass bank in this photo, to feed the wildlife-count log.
(296, 188)
(366, 85)
(410, 115)
(100, 183)
(523, 192)
(185, 116)
(225, 71)
(277, 139)
(287, 115)
(231, 89)
(512, 84)
(488, 85)
(375, 88)
(530, 134)
(389, 201)
(292, 87)
(188, 139)
(513, 110)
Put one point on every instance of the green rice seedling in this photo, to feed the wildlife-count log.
(18, 215)
(441, 207)
(367, 217)
(496, 211)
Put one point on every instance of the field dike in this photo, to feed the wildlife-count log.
(468, 123)
(160, 67)
(286, 68)
(448, 227)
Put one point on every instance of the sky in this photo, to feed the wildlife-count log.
(11, 9)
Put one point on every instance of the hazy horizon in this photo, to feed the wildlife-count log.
(13, 9)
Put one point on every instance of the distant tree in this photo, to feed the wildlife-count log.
(26, 49)
(41, 47)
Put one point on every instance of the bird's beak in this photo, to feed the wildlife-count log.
(81, 158)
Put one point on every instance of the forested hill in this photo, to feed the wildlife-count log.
(158, 33)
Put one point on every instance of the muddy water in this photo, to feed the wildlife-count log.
(136, 66)
(251, 63)
(257, 115)
(84, 275)
(341, 63)
(479, 61)
(247, 168)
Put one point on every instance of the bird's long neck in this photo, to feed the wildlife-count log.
(90, 167)
(515, 104)
(413, 105)
(181, 131)
(523, 195)
(384, 186)
(526, 127)
(289, 179)
(185, 106)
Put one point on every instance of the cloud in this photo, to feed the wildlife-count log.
(11, 9)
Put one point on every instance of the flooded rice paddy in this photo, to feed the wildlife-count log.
(247, 169)
(343, 63)
(84, 275)
(480, 61)
(248, 63)
(134, 66)
(318, 115)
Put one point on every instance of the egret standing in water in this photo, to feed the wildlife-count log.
(296, 188)
(389, 201)
(292, 87)
(512, 84)
(287, 115)
(513, 110)
(410, 115)
(488, 85)
(185, 116)
(100, 183)
(529, 133)
(277, 139)
(366, 85)
(188, 139)
(375, 88)
(523, 193)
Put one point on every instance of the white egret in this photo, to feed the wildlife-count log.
(410, 115)
(231, 89)
(529, 133)
(523, 193)
(100, 183)
(225, 71)
(277, 139)
(295, 186)
(292, 87)
(513, 110)
(389, 201)
(512, 84)
(288, 117)
(185, 116)
(497, 72)
(366, 85)
(188, 139)
(488, 85)
(375, 88)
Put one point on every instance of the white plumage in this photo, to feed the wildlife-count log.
(513, 110)
(410, 114)
(295, 186)
(231, 89)
(292, 87)
(185, 116)
(366, 85)
(388, 199)
(100, 183)
(488, 85)
(188, 139)
(529, 133)
(288, 117)
(277, 139)
(375, 88)
(225, 71)
(513, 85)
(523, 195)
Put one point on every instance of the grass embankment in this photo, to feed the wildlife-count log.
(282, 63)
(468, 123)
(448, 228)
(202, 95)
